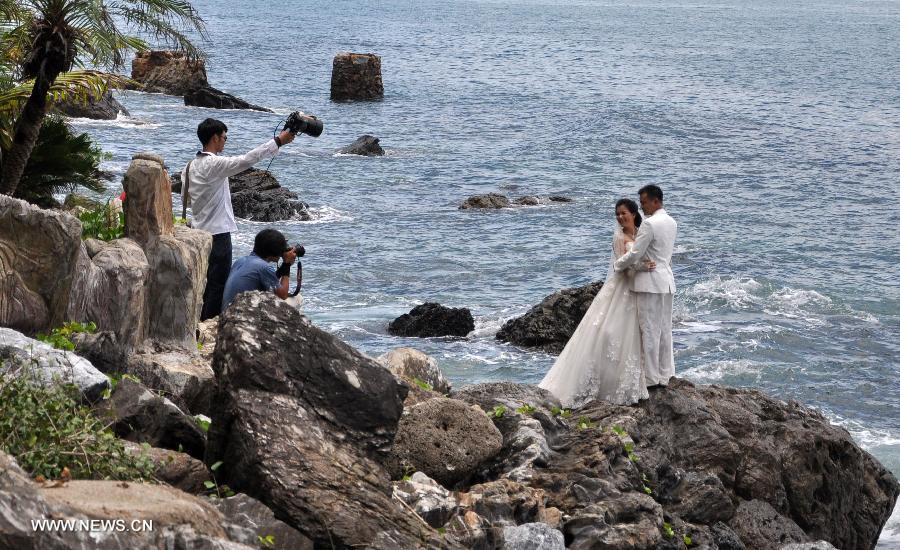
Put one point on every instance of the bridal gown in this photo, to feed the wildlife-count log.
(602, 359)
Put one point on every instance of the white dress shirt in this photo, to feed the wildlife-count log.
(210, 195)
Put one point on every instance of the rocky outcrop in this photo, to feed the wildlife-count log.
(533, 536)
(207, 96)
(356, 76)
(168, 72)
(180, 470)
(105, 107)
(550, 324)
(179, 520)
(488, 201)
(38, 252)
(23, 356)
(432, 320)
(302, 423)
(251, 514)
(494, 201)
(416, 368)
(257, 195)
(364, 145)
(446, 439)
(137, 414)
(432, 502)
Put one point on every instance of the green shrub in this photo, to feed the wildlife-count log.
(46, 429)
(61, 337)
(102, 223)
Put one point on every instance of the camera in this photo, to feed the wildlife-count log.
(299, 250)
(299, 123)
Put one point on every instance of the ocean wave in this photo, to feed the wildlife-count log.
(718, 370)
(867, 437)
(121, 121)
(735, 293)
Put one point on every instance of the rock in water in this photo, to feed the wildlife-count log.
(256, 195)
(207, 96)
(168, 72)
(550, 324)
(364, 145)
(431, 319)
(104, 108)
(489, 201)
(356, 76)
(303, 422)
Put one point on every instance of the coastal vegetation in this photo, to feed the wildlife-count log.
(43, 40)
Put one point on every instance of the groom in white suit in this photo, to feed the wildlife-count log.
(655, 241)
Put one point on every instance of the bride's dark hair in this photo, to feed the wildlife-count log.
(633, 208)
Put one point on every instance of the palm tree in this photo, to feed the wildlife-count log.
(48, 37)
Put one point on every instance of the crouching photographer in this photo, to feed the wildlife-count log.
(254, 272)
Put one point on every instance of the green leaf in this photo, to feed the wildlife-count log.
(209, 484)
(216, 466)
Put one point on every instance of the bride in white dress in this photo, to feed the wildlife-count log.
(602, 359)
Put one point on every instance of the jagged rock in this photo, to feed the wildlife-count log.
(148, 210)
(550, 324)
(250, 513)
(257, 195)
(694, 496)
(413, 366)
(533, 536)
(207, 96)
(761, 526)
(23, 356)
(474, 532)
(504, 502)
(183, 375)
(431, 320)
(446, 439)
(168, 72)
(302, 422)
(558, 198)
(525, 434)
(725, 538)
(631, 520)
(180, 470)
(356, 76)
(528, 201)
(174, 515)
(105, 107)
(364, 145)
(138, 415)
(435, 504)
(818, 545)
(38, 253)
(490, 200)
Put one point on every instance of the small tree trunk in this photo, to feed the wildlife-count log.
(28, 126)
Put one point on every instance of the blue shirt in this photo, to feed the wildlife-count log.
(249, 273)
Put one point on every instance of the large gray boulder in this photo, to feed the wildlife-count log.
(446, 439)
(24, 356)
(207, 96)
(105, 107)
(39, 250)
(356, 76)
(302, 423)
(252, 514)
(432, 502)
(533, 536)
(168, 72)
(551, 323)
(415, 368)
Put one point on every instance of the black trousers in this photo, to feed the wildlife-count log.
(216, 275)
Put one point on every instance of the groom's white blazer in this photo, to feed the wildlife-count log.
(655, 240)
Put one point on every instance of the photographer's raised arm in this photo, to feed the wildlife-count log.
(224, 167)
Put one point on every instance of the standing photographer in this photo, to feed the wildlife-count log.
(205, 188)
(253, 272)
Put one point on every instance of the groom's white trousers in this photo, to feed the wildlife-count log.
(655, 318)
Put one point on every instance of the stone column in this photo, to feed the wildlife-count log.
(148, 204)
(356, 76)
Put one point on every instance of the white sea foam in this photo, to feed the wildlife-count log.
(487, 326)
(718, 370)
(867, 437)
(737, 293)
(121, 121)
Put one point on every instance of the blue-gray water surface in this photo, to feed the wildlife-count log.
(773, 128)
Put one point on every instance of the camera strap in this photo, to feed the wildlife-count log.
(185, 191)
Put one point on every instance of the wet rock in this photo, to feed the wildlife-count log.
(761, 526)
(559, 198)
(207, 96)
(435, 504)
(551, 323)
(139, 415)
(257, 195)
(432, 320)
(415, 367)
(533, 536)
(364, 145)
(106, 107)
(24, 356)
(488, 201)
(252, 514)
(446, 439)
(168, 72)
(818, 545)
(302, 423)
(180, 470)
(356, 76)
(528, 201)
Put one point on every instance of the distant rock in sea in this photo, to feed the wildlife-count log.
(496, 201)
(207, 96)
(168, 72)
(433, 320)
(256, 195)
(364, 145)
(105, 107)
(356, 76)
